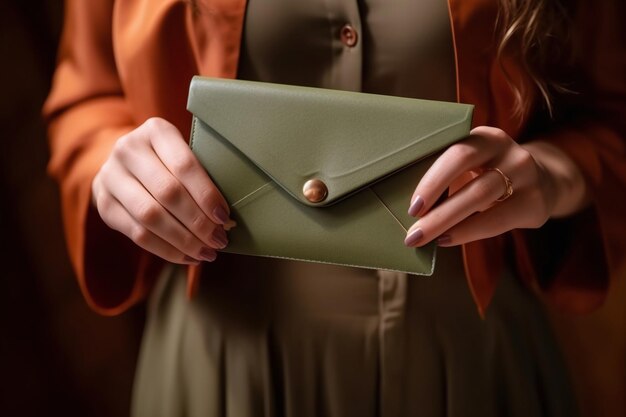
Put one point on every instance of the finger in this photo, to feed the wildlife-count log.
(476, 196)
(151, 215)
(514, 213)
(178, 158)
(482, 146)
(172, 195)
(117, 218)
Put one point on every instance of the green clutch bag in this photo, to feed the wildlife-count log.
(320, 175)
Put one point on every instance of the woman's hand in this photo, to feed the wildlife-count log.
(545, 182)
(153, 189)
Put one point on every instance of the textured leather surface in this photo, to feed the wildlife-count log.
(261, 142)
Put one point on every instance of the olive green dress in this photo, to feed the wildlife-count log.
(267, 337)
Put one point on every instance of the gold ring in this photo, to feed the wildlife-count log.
(507, 183)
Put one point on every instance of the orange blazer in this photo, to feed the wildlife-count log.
(121, 62)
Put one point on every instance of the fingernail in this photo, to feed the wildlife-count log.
(443, 240)
(416, 206)
(191, 260)
(221, 214)
(414, 237)
(229, 225)
(219, 237)
(208, 254)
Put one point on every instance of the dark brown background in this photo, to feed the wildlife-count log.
(55, 354)
(58, 356)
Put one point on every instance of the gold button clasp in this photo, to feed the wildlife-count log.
(315, 190)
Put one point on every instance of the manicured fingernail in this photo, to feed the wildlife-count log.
(416, 206)
(221, 214)
(414, 237)
(191, 260)
(444, 240)
(208, 254)
(219, 237)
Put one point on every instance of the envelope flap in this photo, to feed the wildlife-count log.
(346, 140)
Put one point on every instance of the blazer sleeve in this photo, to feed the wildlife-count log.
(86, 113)
(575, 259)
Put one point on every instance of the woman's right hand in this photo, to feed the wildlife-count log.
(153, 190)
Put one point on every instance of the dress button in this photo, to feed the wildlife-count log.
(349, 36)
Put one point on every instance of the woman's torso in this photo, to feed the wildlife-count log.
(275, 337)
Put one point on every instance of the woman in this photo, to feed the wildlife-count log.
(268, 337)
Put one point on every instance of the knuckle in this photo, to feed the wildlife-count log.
(524, 162)
(183, 164)
(155, 124)
(500, 135)
(461, 151)
(493, 133)
(122, 146)
(170, 191)
(201, 223)
(141, 236)
(493, 137)
(125, 146)
(208, 197)
(103, 173)
(189, 243)
(104, 203)
(148, 213)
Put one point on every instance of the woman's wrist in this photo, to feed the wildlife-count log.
(565, 186)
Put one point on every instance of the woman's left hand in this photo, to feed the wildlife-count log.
(545, 183)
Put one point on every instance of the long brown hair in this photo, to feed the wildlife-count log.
(539, 34)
